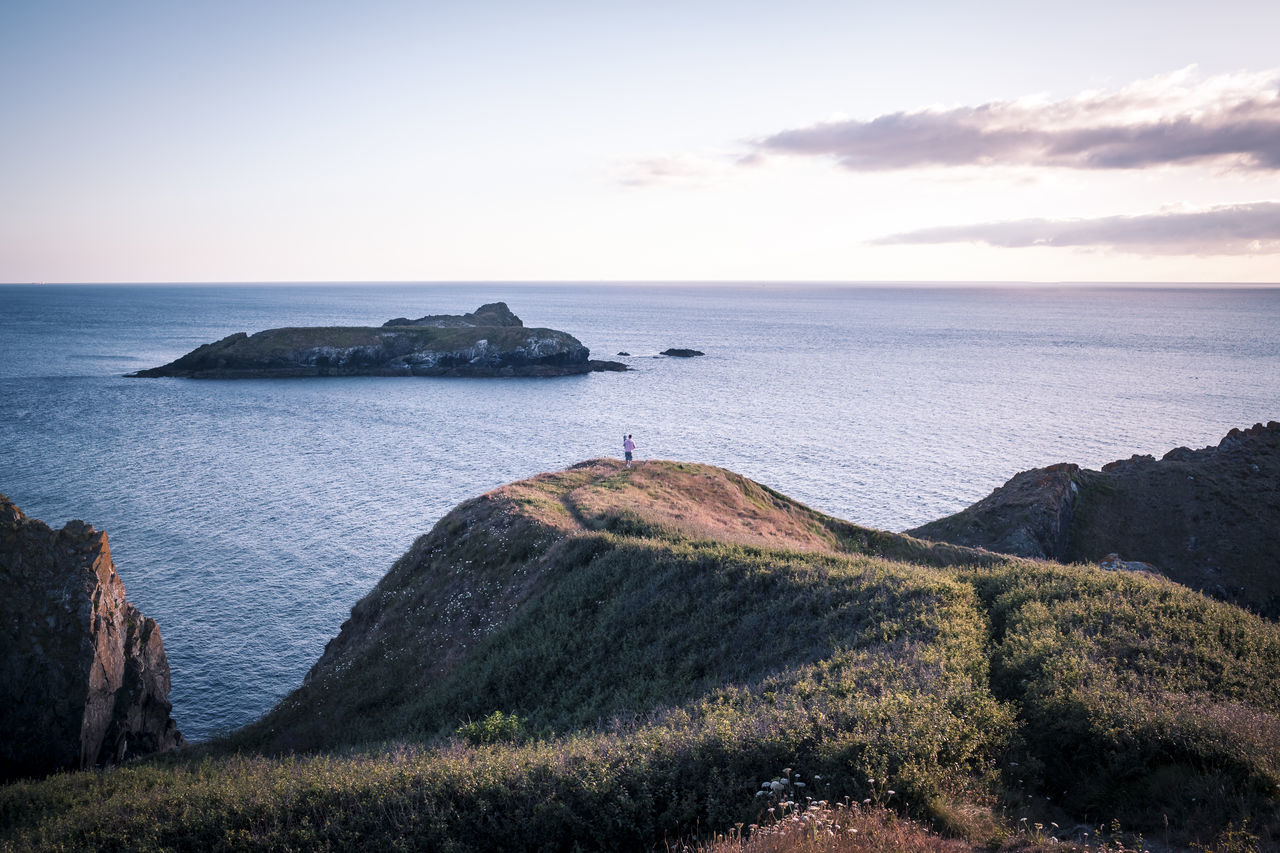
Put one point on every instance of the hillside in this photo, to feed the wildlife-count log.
(1208, 518)
(644, 580)
(605, 657)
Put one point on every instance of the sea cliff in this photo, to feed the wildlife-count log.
(1207, 518)
(84, 680)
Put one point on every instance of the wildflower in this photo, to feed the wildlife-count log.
(891, 793)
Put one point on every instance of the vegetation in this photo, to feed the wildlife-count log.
(605, 658)
(274, 341)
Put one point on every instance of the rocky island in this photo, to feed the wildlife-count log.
(491, 341)
(84, 680)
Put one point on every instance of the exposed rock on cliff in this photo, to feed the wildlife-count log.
(493, 314)
(1207, 518)
(490, 342)
(1029, 516)
(84, 680)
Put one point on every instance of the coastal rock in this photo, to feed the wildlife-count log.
(503, 347)
(492, 314)
(1116, 563)
(84, 680)
(682, 353)
(1207, 518)
(1029, 516)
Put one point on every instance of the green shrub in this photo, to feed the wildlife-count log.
(495, 728)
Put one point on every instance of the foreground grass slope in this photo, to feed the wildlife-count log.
(607, 657)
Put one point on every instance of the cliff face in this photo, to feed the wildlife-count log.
(84, 680)
(490, 342)
(1029, 516)
(1207, 518)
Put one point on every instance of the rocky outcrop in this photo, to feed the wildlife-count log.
(442, 347)
(493, 314)
(1207, 518)
(1029, 516)
(681, 353)
(84, 680)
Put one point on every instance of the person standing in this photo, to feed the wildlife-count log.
(628, 447)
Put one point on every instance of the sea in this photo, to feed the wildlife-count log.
(248, 516)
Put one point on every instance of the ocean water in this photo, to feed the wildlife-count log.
(248, 516)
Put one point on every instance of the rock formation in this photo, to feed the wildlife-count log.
(493, 314)
(1206, 518)
(489, 342)
(681, 353)
(1029, 516)
(84, 680)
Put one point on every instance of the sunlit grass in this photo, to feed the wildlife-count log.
(583, 660)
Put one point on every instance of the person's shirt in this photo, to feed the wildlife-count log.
(628, 445)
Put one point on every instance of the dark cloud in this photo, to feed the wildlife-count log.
(1156, 122)
(1228, 230)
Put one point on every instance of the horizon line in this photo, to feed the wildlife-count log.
(655, 282)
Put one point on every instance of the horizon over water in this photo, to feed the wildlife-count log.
(248, 516)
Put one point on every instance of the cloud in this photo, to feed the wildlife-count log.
(1178, 118)
(1235, 229)
(675, 170)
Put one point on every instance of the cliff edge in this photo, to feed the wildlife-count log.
(84, 680)
(1208, 518)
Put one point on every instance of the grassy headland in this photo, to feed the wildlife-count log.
(604, 658)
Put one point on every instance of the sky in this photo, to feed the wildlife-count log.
(684, 141)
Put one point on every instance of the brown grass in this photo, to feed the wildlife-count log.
(832, 829)
(700, 502)
(851, 828)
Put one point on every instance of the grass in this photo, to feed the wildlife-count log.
(274, 341)
(605, 658)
